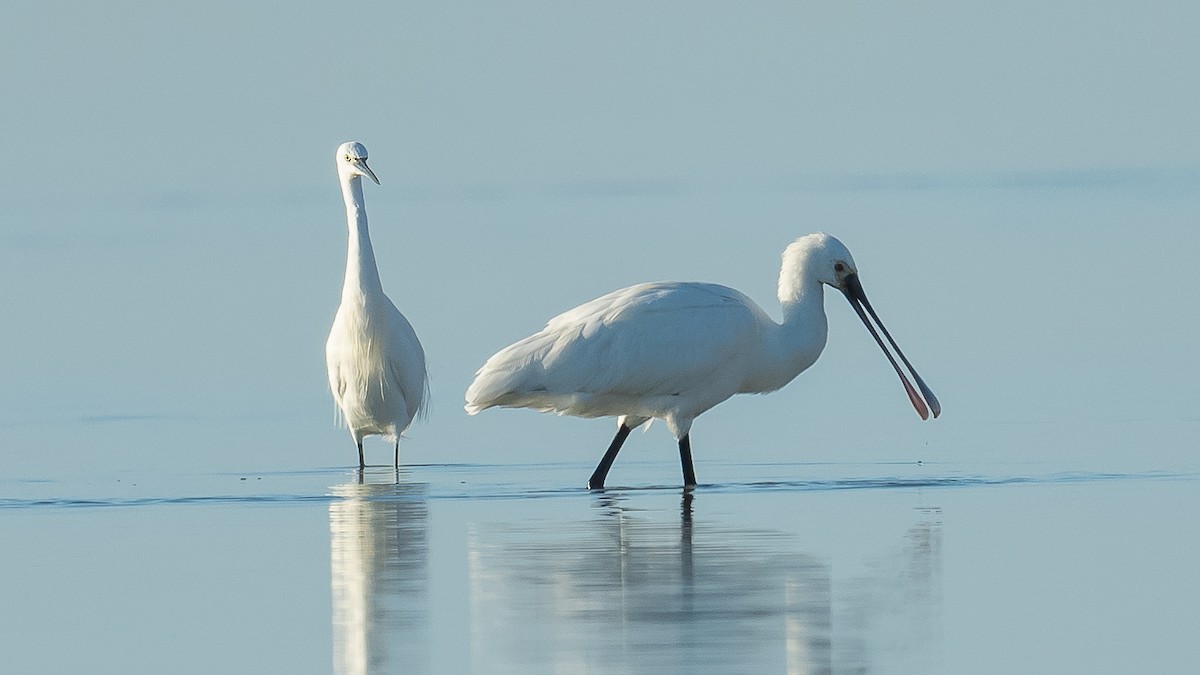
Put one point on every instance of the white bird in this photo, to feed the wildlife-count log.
(672, 350)
(375, 361)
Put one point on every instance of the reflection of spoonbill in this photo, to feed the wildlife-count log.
(375, 362)
(673, 350)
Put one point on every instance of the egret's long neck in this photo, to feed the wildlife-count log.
(362, 275)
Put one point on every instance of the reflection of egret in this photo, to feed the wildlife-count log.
(671, 351)
(626, 593)
(375, 362)
(378, 556)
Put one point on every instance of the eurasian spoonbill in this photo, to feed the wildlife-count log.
(672, 350)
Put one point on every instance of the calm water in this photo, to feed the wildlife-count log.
(785, 568)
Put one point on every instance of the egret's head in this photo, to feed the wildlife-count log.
(351, 161)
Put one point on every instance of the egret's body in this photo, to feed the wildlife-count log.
(375, 361)
(673, 350)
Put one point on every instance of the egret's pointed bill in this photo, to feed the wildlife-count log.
(361, 165)
(853, 290)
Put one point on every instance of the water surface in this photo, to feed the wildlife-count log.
(442, 568)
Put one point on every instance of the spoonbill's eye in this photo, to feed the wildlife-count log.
(839, 267)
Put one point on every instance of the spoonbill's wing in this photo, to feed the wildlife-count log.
(645, 341)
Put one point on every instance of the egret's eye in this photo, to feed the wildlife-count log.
(839, 267)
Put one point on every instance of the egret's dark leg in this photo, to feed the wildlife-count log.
(361, 463)
(685, 458)
(396, 457)
(596, 482)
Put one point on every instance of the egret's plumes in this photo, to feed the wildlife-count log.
(375, 361)
(673, 350)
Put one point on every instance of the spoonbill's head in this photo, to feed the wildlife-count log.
(814, 257)
(351, 160)
(829, 261)
(824, 257)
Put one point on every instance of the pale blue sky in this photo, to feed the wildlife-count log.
(622, 90)
(1018, 181)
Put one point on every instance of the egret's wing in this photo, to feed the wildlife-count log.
(337, 383)
(414, 391)
(405, 366)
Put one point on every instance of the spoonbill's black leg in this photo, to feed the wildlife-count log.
(361, 463)
(596, 482)
(396, 457)
(685, 458)
(686, 567)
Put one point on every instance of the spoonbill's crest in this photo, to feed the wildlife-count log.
(672, 350)
(375, 362)
(818, 255)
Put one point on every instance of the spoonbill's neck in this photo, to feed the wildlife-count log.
(791, 347)
(362, 275)
(803, 302)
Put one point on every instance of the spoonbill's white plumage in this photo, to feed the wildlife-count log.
(375, 361)
(672, 350)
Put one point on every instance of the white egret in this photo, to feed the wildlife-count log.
(375, 361)
(673, 350)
